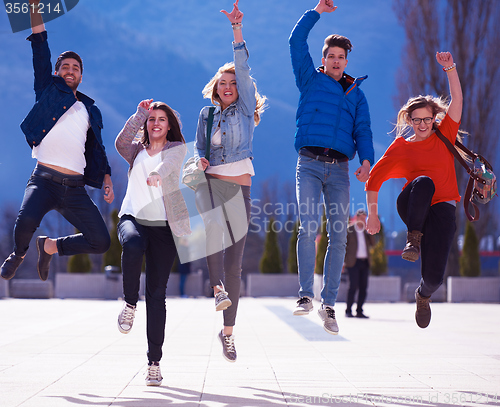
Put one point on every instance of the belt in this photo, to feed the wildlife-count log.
(323, 158)
(68, 182)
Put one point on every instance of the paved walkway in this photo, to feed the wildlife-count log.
(70, 353)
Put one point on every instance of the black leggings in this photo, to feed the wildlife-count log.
(436, 222)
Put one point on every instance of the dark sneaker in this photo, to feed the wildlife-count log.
(10, 265)
(423, 312)
(348, 314)
(153, 375)
(228, 349)
(361, 315)
(304, 306)
(222, 300)
(411, 252)
(327, 314)
(43, 264)
(126, 318)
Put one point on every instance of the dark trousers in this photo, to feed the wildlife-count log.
(438, 225)
(226, 220)
(358, 281)
(157, 243)
(43, 195)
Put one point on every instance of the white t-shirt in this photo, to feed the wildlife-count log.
(64, 144)
(362, 252)
(141, 200)
(241, 167)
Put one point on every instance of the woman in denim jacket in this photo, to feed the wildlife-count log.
(224, 200)
(152, 212)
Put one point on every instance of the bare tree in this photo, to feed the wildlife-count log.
(468, 29)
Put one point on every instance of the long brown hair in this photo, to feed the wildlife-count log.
(174, 121)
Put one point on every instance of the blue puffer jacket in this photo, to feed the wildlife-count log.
(327, 116)
(53, 98)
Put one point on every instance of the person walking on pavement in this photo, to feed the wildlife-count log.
(357, 263)
(333, 123)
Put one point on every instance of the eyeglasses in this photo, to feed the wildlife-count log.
(418, 120)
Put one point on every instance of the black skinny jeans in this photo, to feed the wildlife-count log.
(157, 243)
(226, 214)
(43, 195)
(437, 223)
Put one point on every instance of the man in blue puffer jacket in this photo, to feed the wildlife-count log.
(333, 122)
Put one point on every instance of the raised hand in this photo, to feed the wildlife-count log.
(236, 16)
(325, 6)
(145, 104)
(444, 59)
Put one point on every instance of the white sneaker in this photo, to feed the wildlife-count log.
(153, 375)
(327, 314)
(126, 318)
(222, 300)
(304, 306)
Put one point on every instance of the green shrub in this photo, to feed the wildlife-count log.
(79, 263)
(271, 258)
(378, 258)
(113, 256)
(321, 247)
(470, 262)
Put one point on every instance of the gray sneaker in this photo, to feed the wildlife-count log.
(228, 349)
(304, 306)
(222, 301)
(126, 318)
(153, 375)
(327, 314)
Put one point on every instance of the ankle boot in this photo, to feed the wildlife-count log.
(411, 252)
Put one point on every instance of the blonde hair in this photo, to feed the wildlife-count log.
(210, 91)
(438, 106)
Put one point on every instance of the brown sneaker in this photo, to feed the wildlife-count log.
(423, 312)
(411, 252)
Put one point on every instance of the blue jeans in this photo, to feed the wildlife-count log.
(314, 177)
(43, 195)
(157, 243)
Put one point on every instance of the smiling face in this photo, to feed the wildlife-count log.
(226, 89)
(157, 126)
(335, 62)
(422, 130)
(71, 72)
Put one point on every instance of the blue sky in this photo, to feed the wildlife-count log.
(168, 50)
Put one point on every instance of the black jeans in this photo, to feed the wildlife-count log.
(157, 243)
(43, 195)
(437, 223)
(358, 281)
(226, 215)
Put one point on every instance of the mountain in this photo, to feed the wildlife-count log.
(169, 50)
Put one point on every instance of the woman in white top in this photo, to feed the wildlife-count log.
(152, 211)
(224, 200)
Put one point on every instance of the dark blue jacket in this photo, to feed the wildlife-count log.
(327, 116)
(52, 99)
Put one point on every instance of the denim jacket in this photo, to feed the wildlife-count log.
(236, 121)
(327, 116)
(52, 99)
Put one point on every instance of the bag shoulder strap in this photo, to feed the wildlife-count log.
(210, 122)
(470, 171)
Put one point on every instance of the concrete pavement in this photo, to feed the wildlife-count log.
(70, 353)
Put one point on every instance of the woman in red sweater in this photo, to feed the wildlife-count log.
(428, 200)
